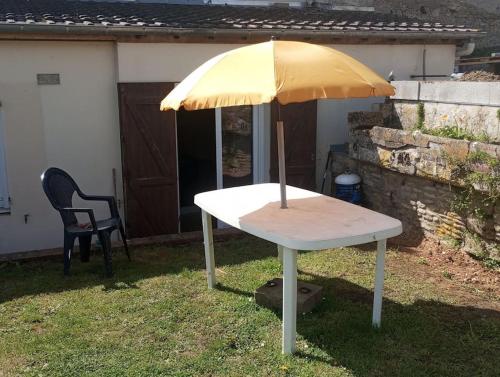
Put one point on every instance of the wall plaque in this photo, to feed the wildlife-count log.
(48, 78)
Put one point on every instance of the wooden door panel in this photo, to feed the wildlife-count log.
(299, 121)
(149, 159)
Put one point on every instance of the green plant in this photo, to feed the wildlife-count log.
(455, 243)
(447, 275)
(498, 114)
(423, 261)
(479, 174)
(492, 263)
(455, 132)
(482, 250)
(420, 116)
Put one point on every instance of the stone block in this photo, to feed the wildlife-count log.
(458, 149)
(387, 137)
(364, 120)
(403, 160)
(383, 157)
(270, 295)
(491, 149)
(420, 139)
(367, 154)
(361, 137)
(408, 138)
(387, 110)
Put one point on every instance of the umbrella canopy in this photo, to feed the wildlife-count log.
(283, 70)
(287, 71)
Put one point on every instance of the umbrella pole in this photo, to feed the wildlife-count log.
(281, 161)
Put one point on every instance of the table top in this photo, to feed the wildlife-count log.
(311, 222)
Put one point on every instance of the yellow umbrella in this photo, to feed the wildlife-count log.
(284, 70)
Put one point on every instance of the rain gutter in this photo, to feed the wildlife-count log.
(115, 32)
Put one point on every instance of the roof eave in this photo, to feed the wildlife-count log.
(185, 34)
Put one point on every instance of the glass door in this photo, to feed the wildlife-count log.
(237, 146)
(242, 146)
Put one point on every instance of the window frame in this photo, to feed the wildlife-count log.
(4, 187)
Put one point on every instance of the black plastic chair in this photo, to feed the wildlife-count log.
(60, 188)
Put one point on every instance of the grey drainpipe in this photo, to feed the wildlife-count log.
(465, 49)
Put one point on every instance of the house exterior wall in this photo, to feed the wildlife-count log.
(73, 125)
(143, 62)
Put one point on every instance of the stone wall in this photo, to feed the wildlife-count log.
(422, 205)
(407, 175)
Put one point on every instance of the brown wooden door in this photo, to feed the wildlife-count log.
(149, 160)
(299, 120)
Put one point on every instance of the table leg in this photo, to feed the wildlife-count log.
(208, 240)
(280, 254)
(379, 283)
(289, 300)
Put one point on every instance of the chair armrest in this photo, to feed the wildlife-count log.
(113, 208)
(88, 211)
(99, 198)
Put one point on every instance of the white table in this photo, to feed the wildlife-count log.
(311, 222)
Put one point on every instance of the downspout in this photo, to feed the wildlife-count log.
(424, 56)
(465, 49)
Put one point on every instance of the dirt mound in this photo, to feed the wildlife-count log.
(453, 271)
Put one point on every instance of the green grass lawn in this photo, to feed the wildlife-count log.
(156, 317)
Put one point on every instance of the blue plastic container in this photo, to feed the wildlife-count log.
(348, 187)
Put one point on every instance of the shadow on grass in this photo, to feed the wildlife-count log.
(38, 277)
(424, 338)
(225, 288)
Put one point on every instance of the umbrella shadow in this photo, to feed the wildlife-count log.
(310, 218)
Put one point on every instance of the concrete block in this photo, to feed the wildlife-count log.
(270, 295)
(494, 89)
(406, 90)
(462, 92)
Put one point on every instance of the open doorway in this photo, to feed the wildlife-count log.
(197, 162)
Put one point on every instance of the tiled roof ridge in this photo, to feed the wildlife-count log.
(228, 17)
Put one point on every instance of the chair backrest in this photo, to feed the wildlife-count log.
(60, 188)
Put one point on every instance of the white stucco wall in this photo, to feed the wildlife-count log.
(143, 62)
(73, 125)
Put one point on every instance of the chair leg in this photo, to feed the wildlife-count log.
(84, 242)
(69, 242)
(104, 239)
(124, 240)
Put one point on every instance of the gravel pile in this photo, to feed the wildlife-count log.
(479, 76)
